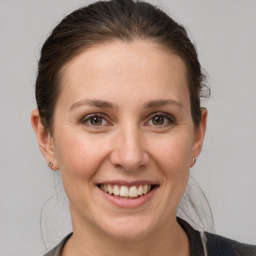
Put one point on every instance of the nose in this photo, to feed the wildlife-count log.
(129, 150)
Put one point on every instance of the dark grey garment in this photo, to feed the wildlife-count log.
(215, 245)
(58, 249)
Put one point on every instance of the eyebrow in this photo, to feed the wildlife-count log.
(160, 103)
(106, 104)
(95, 103)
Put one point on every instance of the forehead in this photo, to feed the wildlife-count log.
(138, 67)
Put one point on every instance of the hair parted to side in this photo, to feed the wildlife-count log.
(105, 21)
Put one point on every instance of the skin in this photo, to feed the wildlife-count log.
(127, 146)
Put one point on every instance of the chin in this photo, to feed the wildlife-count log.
(129, 229)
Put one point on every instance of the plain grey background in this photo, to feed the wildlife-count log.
(225, 34)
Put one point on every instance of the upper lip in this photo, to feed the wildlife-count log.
(128, 183)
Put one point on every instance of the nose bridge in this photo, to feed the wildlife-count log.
(129, 151)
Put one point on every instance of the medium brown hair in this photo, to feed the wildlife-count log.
(101, 22)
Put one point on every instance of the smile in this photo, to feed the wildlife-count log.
(126, 192)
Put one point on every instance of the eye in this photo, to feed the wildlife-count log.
(94, 120)
(158, 120)
(161, 119)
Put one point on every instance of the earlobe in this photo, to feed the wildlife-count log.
(193, 162)
(44, 139)
(199, 134)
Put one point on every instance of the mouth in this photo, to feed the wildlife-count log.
(127, 192)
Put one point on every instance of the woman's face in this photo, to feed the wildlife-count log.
(123, 125)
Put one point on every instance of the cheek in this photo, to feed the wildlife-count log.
(172, 156)
(173, 153)
(79, 156)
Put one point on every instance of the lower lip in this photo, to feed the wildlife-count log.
(129, 203)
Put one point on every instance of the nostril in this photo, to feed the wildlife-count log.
(129, 160)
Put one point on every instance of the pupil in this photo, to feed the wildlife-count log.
(96, 121)
(158, 120)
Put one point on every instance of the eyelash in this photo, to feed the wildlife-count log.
(85, 120)
(167, 118)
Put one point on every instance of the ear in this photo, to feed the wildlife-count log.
(199, 134)
(44, 139)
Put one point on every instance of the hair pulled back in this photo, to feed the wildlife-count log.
(105, 21)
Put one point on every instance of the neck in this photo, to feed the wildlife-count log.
(168, 240)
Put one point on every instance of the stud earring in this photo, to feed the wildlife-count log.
(50, 164)
(194, 160)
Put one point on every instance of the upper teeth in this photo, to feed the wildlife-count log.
(125, 191)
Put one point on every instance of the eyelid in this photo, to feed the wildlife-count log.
(84, 120)
(171, 119)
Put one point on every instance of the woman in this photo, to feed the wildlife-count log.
(118, 94)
